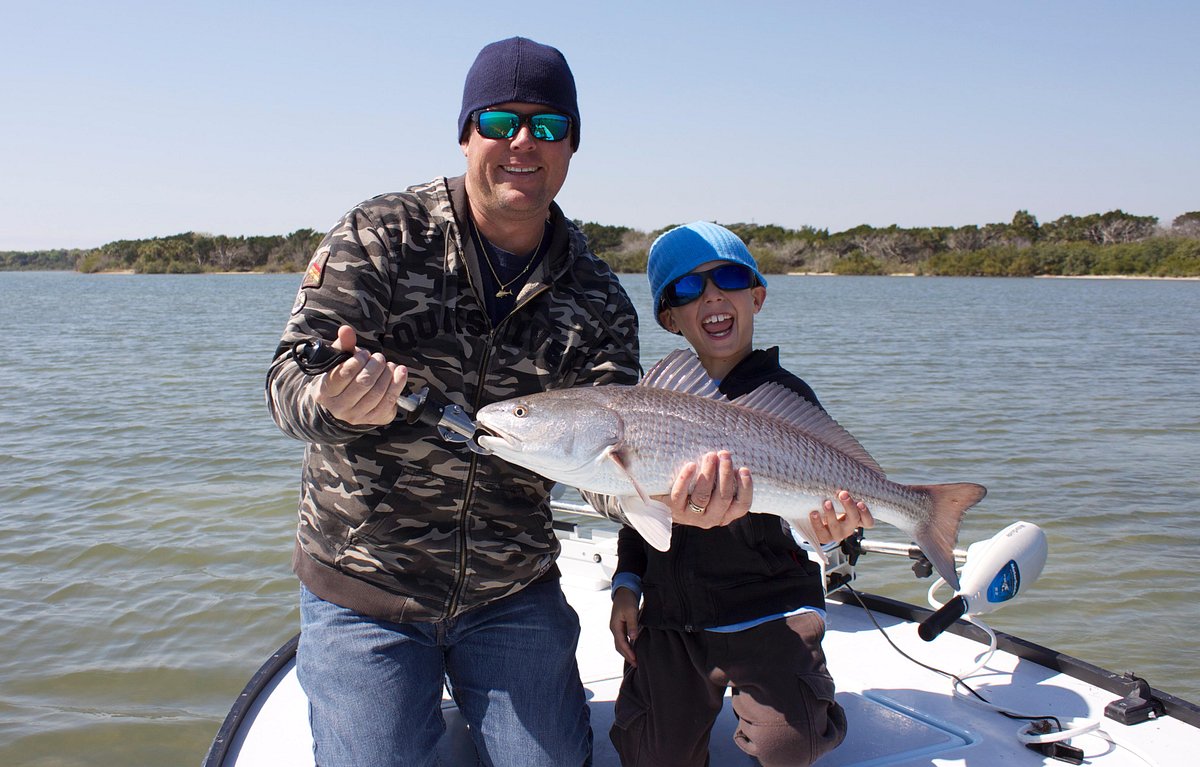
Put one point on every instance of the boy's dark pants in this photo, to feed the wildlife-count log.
(782, 695)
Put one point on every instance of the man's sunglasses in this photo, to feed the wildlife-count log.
(496, 124)
(689, 287)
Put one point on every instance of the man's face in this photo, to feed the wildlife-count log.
(514, 179)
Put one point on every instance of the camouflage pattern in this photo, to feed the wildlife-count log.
(395, 522)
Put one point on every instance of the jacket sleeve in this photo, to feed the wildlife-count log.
(608, 505)
(347, 283)
(631, 552)
(631, 547)
(615, 357)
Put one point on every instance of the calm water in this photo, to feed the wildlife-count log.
(147, 501)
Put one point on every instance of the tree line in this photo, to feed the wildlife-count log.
(1113, 243)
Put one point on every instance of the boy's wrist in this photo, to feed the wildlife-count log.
(628, 581)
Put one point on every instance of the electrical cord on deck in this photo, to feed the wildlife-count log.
(1044, 734)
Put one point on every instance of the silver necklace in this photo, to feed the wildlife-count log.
(487, 259)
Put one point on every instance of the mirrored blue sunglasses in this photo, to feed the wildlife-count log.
(686, 289)
(498, 124)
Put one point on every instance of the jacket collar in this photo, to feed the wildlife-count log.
(756, 363)
(562, 245)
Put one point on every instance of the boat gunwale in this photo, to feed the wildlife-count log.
(1120, 685)
(246, 700)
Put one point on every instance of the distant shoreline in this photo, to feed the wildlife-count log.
(1108, 277)
(127, 272)
(1036, 276)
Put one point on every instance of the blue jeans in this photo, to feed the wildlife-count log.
(375, 687)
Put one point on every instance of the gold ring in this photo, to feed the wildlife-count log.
(695, 509)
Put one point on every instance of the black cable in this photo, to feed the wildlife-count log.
(947, 674)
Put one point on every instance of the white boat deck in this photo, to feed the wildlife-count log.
(898, 712)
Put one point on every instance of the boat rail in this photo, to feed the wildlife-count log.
(889, 548)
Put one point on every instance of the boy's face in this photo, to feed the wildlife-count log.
(719, 324)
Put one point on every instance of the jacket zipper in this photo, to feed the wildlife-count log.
(677, 571)
(460, 582)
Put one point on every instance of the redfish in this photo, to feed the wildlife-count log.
(631, 442)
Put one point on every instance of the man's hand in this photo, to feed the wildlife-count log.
(710, 492)
(363, 390)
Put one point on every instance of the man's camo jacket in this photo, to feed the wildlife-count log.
(395, 522)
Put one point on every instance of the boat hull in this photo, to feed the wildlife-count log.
(898, 712)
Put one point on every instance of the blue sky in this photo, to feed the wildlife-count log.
(142, 119)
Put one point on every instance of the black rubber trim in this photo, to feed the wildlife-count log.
(262, 678)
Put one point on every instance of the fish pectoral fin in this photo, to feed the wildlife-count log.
(651, 519)
(613, 454)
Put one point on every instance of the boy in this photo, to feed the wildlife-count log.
(733, 605)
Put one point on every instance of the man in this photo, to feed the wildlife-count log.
(422, 562)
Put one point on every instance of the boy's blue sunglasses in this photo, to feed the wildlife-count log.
(686, 289)
(498, 124)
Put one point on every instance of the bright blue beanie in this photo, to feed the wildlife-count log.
(680, 250)
(519, 69)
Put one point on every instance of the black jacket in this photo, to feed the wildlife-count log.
(725, 575)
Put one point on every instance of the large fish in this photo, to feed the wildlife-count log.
(631, 442)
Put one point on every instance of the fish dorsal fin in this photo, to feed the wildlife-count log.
(781, 402)
(681, 371)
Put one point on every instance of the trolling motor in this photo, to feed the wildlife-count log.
(314, 357)
(995, 572)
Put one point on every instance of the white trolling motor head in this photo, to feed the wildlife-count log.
(996, 570)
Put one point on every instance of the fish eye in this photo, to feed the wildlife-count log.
(520, 411)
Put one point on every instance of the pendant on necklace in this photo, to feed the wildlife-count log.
(502, 292)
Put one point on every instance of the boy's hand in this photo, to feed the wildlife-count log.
(830, 527)
(623, 623)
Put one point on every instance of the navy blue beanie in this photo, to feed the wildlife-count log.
(682, 249)
(519, 69)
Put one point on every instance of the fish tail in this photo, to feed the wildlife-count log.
(938, 536)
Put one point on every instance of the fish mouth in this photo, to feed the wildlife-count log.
(492, 438)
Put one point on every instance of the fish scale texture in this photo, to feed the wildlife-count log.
(792, 472)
